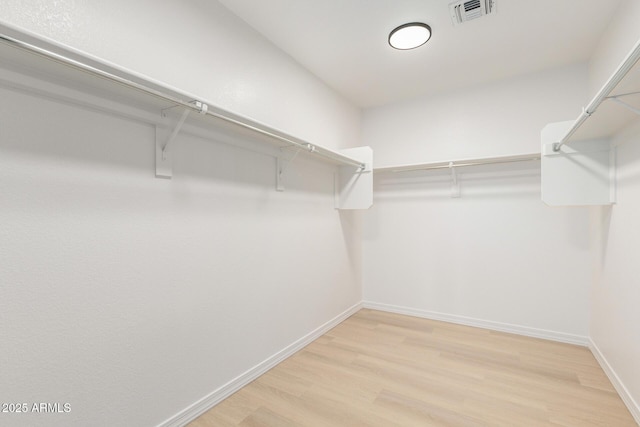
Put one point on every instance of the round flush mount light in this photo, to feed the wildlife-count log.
(410, 36)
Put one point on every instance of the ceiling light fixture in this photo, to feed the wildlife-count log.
(410, 36)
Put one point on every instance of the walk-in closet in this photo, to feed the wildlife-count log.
(284, 213)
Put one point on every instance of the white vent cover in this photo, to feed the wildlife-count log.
(463, 11)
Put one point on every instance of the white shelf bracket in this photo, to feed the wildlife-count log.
(172, 137)
(455, 183)
(625, 105)
(165, 140)
(281, 166)
(353, 184)
(164, 159)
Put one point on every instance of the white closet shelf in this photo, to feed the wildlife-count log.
(458, 163)
(41, 67)
(117, 83)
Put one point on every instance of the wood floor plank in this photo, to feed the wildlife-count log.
(264, 417)
(389, 370)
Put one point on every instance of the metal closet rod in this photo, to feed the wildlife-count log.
(196, 106)
(622, 70)
(459, 163)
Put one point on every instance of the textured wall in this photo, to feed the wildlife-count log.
(616, 291)
(491, 255)
(130, 297)
(496, 256)
(200, 47)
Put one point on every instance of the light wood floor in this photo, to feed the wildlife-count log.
(382, 369)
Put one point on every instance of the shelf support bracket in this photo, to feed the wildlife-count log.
(164, 159)
(455, 183)
(281, 167)
(165, 139)
(618, 101)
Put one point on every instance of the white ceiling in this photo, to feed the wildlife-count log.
(344, 42)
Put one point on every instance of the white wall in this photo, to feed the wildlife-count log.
(130, 297)
(616, 293)
(200, 47)
(496, 119)
(619, 38)
(497, 256)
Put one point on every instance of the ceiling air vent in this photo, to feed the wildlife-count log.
(463, 11)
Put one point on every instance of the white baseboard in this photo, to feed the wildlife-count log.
(479, 323)
(195, 410)
(632, 405)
